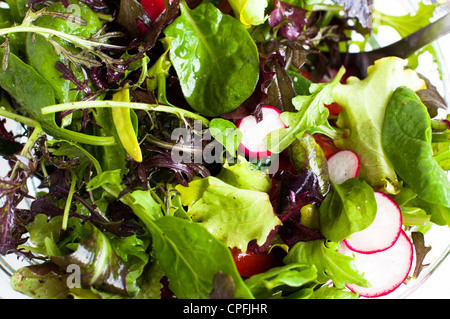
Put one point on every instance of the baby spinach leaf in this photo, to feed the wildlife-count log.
(41, 54)
(233, 215)
(350, 207)
(406, 137)
(364, 103)
(329, 262)
(216, 72)
(226, 133)
(191, 257)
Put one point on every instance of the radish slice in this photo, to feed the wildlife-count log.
(342, 166)
(253, 133)
(384, 230)
(385, 270)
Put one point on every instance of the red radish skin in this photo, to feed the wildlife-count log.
(253, 133)
(384, 230)
(154, 8)
(385, 270)
(343, 165)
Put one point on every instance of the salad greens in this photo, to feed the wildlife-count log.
(359, 98)
(128, 125)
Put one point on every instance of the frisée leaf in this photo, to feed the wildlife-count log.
(233, 215)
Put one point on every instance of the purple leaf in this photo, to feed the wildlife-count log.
(360, 9)
(290, 19)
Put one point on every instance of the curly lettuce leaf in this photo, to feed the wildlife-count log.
(364, 103)
(245, 175)
(233, 215)
(329, 262)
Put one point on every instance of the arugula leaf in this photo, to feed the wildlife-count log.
(311, 112)
(350, 207)
(233, 215)
(364, 103)
(216, 73)
(329, 262)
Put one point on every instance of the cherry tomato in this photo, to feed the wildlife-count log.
(327, 144)
(334, 108)
(305, 74)
(249, 263)
(154, 8)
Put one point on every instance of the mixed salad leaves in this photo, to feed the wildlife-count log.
(129, 118)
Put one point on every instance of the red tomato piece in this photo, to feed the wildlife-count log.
(334, 108)
(327, 144)
(249, 263)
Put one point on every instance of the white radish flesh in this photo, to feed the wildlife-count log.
(342, 166)
(384, 230)
(385, 270)
(253, 132)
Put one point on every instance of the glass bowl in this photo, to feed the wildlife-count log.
(431, 283)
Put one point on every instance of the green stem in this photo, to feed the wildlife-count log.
(69, 201)
(137, 106)
(83, 42)
(19, 118)
(38, 132)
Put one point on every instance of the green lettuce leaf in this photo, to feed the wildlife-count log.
(406, 137)
(350, 207)
(289, 278)
(217, 72)
(329, 262)
(233, 215)
(245, 175)
(249, 12)
(311, 112)
(364, 103)
(191, 257)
